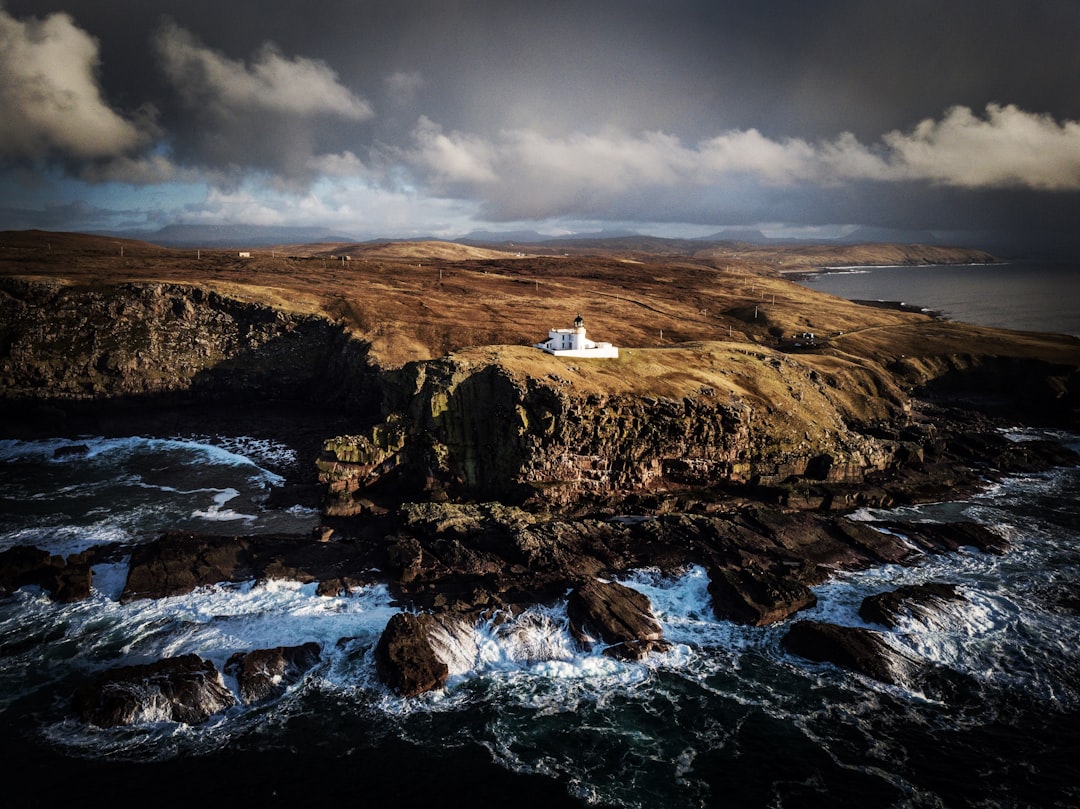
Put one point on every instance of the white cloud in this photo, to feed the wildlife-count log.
(270, 81)
(50, 99)
(352, 207)
(1010, 148)
(523, 173)
(454, 158)
(750, 152)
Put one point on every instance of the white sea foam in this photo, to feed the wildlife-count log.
(218, 513)
(523, 689)
(109, 579)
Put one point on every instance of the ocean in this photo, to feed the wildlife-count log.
(725, 718)
(1029, 295)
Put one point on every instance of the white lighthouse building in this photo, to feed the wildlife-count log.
(574, 343)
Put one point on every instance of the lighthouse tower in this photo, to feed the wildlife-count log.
(579, 332)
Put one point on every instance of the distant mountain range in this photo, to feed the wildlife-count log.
(238, 236)
(231, 235)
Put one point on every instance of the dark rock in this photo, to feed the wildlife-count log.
(179, 689)
(266, 673)
(73, 583)
(918, 600)
(65, 580)
(867, 652)
(617, 615)
(177, 563)
(850, 647)
(405, 658)
(332, 588)
(70, 450)
(756, 597)
(948, 537)
(24, 566)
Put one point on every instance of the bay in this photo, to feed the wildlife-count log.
(1027, 295)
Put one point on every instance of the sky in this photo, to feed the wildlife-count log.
(399, 118)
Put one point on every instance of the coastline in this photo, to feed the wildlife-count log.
(496, 481)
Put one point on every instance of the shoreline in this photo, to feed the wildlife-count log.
(803, 273)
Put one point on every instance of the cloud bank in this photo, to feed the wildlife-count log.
(523, 174)
(587, 118)
(50, 96)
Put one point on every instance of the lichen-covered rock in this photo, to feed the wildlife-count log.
(184, 689)
(490, 430)
(265, 673)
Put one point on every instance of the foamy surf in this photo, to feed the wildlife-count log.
(695, 726)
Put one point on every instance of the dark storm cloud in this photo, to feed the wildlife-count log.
(959, 111)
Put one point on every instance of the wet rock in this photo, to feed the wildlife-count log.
(70, 451)
(617, 615)
(921, 601)
(850, 647)
(756, 597)
(24, 566)
(65, 580)
(948, 537)
(266, 673)
(405, 657)
(177, 563)
(184, 689)
(869, 653)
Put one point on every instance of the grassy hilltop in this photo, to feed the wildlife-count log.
(421, 300)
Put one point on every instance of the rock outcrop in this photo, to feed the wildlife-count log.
(64, 579)
(177, 563)
(851, 647)
(868, 652)
(265, 673)
(461, 428)
(616, 615)
(804, 431)
(184, 689)
(168, 342)
(406, 657)
(921, 601)
(753, 596)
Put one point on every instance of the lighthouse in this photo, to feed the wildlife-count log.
(573, 343)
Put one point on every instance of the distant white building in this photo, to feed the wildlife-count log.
(573, 343)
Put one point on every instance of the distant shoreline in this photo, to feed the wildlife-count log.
(852, 267)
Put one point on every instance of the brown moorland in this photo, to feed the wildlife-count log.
(421, 300)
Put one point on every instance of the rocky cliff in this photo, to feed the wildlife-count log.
(516, 424)
(63, 343)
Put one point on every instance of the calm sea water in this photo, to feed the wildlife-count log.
(1026, 295)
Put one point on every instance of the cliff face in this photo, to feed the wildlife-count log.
(64, 343)
(516, 424)
(475, 427)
